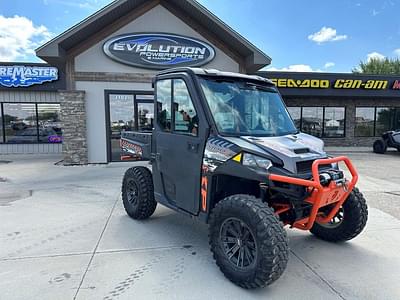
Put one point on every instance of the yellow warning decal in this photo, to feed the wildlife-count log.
(238, 157)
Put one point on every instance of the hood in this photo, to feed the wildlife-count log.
(291, 149)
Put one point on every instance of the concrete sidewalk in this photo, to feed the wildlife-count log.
(71, 239)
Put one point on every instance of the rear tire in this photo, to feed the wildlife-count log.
(353, 220)
(379, 147)
(257, 255)
(138, 193)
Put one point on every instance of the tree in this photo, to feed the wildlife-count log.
(387, 66)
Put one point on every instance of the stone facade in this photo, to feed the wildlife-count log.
(350, 105)
(73, 118)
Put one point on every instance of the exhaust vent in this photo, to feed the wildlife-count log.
(301, 150)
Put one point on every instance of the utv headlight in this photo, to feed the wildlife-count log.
(255, 161)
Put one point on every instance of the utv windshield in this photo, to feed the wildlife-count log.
(246, 108)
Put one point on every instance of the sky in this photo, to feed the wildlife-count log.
(309, 35)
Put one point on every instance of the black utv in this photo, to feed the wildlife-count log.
(225, 150)
(389, 139)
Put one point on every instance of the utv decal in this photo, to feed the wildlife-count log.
(238, 158)
(204, 186)
(218, 151)
(130, 149)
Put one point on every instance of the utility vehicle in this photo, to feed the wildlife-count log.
(225, 150)
(389, 139)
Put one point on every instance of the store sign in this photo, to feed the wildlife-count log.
(158, 51)
(23, 76)
(370, 84)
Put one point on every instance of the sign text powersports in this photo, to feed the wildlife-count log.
(368, 84)
(158, 50)
(23, 76)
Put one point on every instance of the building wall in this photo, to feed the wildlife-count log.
(25, 96)
(96, 114)
(101, 70)
(158, 19)
(350, 104)
(15, 96)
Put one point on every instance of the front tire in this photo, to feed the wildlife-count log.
(138, 193)
(379, 147)
(248, 241)
(348, 223)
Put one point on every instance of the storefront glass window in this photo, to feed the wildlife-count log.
(365, 118)
(1, 124)
(312, 121)
(295, 113)
(334, 122)
(164, 91)
(384, 119)
(49, 123)
(20, 123)
(397, 119)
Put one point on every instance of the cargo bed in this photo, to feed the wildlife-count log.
(135, 145)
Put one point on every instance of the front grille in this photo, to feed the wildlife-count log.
(305, 166)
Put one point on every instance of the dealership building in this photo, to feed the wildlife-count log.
(96, 82)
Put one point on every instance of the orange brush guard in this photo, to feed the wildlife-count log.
(319, 195)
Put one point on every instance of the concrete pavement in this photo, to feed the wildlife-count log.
(69, 238)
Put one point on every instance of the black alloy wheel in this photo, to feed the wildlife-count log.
(138, 193)
(248, 242)
(238, 242)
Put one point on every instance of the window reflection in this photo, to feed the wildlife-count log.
(384, 119)
(121, 114)
(20, 123)
(164, 91)
(186, 119)
(1, 124)
(312, 120)
(334, 122)
(365, 118)
(49, 123)
(145, 116)
(295, 113)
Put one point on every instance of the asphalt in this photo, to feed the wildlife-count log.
(64, 235)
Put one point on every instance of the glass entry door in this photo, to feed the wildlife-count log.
(127, 111)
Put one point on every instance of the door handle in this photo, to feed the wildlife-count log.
(193, 147)
(156, 157)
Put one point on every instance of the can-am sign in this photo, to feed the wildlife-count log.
(158, 51)
(23, 76)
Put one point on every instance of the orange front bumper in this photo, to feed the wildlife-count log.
(319, 195)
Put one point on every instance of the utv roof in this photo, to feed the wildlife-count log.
(216, 73)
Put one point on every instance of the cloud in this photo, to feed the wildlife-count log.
(87, 4)
(397, 52)
(294, 68)
(375, 12)
(375, 55)
(329, 65)
(326, 34)
(19, 37)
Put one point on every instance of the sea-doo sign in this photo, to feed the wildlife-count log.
(23, 76)
(158, 50)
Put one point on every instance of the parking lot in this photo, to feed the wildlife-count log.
(64, 235)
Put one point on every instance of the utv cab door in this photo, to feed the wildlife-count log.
(179, 138)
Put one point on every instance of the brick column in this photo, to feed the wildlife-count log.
(73, 118)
